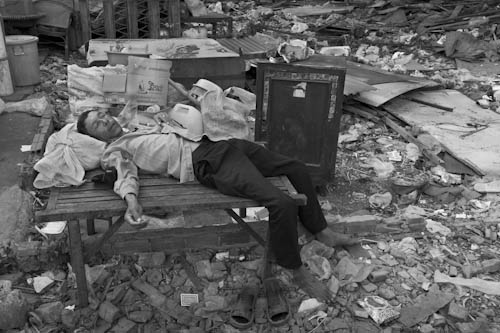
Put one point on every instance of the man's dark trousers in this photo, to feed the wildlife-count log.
(239, 167)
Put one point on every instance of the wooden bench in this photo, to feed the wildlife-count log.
(159, 195)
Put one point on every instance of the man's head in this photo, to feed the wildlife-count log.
(99, 125)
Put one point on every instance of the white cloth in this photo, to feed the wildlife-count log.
(67, 155)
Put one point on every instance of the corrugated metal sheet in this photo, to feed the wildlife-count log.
(247, 47)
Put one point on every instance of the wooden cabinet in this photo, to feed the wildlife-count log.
(299, 106)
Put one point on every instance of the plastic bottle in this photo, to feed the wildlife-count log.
(127, 114)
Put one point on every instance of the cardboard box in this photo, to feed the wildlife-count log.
(147, 79)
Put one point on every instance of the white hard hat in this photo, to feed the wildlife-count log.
(187, 116)
(207, 85)
(201, 87)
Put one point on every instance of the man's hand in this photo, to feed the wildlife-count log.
(133, 215)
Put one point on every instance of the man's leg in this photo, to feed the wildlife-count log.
(273, 164)
(226, 168)
(270, 163)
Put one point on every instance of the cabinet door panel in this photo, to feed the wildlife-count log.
(297, 121)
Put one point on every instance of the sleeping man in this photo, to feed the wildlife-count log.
(234, 167)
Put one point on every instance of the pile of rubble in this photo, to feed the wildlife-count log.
(429, 254)
(428, 260)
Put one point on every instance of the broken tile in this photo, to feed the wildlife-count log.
(427, 305)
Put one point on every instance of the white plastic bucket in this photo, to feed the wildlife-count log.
(22, 51)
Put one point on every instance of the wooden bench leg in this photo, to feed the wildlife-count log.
(77, 262)
(246, 227)
(90, 227)
(104, 238)
(268, 255)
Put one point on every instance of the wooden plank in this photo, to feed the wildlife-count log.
(154, 18)
(85, 20)
(456, 11)
(132, 19)
(171, 240)
(109, 19)
(77, 262)
(174, 18)
(104, 238)
(408, 137)
(478, 150)
(361, 113)
(146, 193)
(67, 203)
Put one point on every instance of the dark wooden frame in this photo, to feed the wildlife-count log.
(334, 75)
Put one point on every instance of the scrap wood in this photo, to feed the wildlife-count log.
(362, 113)
(434, 105)
(487, 287)
(456, 11)
(410, 138)
(318, 10)
(465, 161)
(459, 21)
(188, 268)
(93, 248)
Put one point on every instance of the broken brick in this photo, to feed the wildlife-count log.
(369, 287)
(386, 293)
(13, 309)
(50, 313)
(360, 223)
(140, 316)
(457, 311)
(124, 326)
(154, 276)
(108, 312)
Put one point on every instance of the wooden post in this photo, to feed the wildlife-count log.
(174, 18)
(85, 21)
(132, 27)
(154, 18)
(90, 227)
(109, 19)
(77, 262)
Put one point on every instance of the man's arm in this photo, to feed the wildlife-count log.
(126, 184)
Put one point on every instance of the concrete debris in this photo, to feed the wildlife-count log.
(13, 309)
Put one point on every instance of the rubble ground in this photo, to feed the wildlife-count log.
(429, 258)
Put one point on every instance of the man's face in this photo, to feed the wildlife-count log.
(102, 126)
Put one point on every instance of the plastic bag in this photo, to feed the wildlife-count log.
(34, 106)
(67, 155)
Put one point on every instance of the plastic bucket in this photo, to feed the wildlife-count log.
(22, 51)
